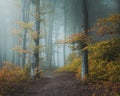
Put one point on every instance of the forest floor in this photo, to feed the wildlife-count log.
(64, 84)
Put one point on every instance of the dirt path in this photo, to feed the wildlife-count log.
(64, 84)
(55, 84)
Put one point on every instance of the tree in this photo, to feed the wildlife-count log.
(37, 28)
(84, 53)
(26, 7)
(64, 47)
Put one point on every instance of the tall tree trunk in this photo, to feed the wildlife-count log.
(84, 54)
(50, 36)
(26, 7)
(64, 46)
(37, 25)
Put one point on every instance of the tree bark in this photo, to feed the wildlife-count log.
(26, 7)
(37, 28)
(84, 54)
(64, 47)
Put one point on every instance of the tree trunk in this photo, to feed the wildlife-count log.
(25, 19)
(64, 47)
(0, 55)
(84, 54)
(50, 36)
(37, 25)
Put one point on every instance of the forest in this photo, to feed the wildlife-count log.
(60, 48)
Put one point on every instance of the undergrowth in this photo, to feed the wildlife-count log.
(72, 67)
(104, 63)
(13, 80)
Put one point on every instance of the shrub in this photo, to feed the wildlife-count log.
(75, 64)
(13, 80)
(105, 50)
(71, 57)
(105, 63)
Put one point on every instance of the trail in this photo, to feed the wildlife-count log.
(64, 84)
(55, 84)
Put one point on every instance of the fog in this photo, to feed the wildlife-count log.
(10, 13)
(61, 18)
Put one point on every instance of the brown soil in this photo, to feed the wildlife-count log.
(55, 84)
(64, 84)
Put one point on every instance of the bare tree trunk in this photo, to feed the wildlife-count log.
(84, 54)
(64, 46)
(50, 36)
